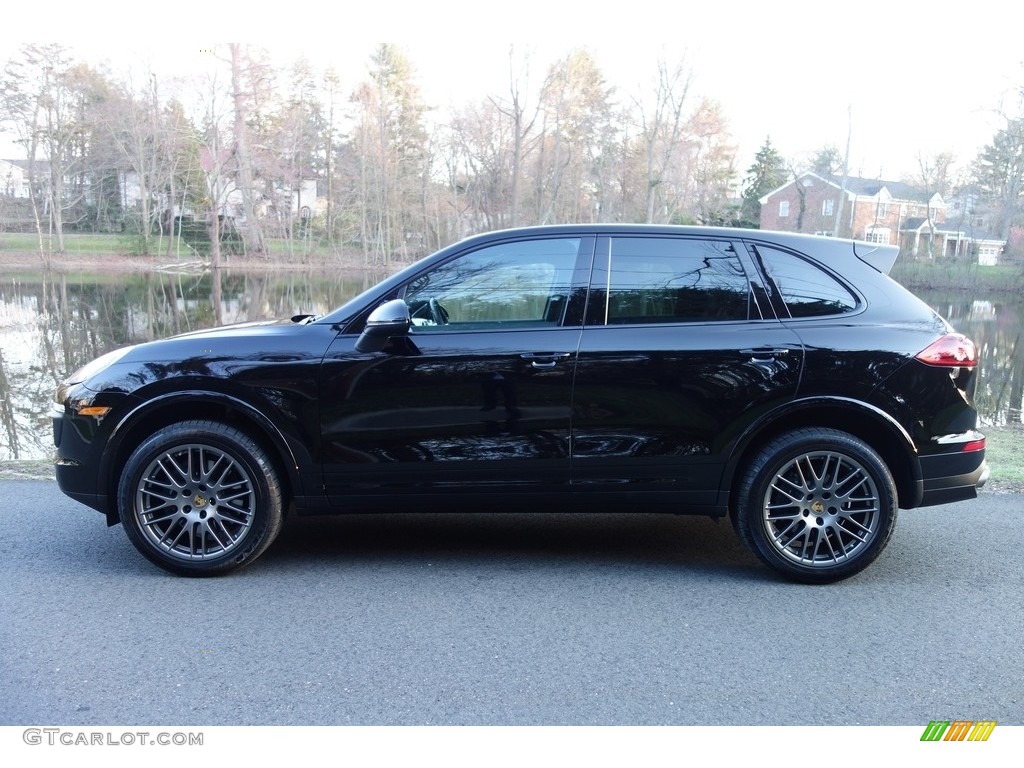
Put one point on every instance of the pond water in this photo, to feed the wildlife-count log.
(50, 324)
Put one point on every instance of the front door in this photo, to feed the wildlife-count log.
(478, 396)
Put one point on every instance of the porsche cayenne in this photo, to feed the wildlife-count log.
(781, 380)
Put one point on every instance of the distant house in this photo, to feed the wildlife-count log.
(952, 238)
(877, 211)
(14, 178)
(977, 220)
(15, 199)
(283, 201)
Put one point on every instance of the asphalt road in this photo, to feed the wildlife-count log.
(439, 619)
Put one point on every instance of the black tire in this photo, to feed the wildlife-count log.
(200, 498)
(816, 505)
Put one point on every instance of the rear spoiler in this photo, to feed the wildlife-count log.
(881, 257)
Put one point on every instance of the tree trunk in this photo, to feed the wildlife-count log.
(252, 232)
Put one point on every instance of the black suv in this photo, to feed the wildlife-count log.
(780, 379)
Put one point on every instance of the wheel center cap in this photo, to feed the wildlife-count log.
(199, 501)
(818, 507)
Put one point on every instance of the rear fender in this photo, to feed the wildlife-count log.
(871, 424)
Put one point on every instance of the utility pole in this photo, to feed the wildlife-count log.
(846, 174)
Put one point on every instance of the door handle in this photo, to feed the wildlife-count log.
(544, 360)
(764, 354)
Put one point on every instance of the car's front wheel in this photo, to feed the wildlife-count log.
(200, 498)
(817, 505)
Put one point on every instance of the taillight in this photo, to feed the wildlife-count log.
(953, 350)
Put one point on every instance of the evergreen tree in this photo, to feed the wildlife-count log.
(767, 172)
(827, 161)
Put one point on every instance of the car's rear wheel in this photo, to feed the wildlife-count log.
(200, 498)
(817, 505)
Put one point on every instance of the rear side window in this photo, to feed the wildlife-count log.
(806, 289)
(666, 280)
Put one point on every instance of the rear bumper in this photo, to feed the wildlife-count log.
(952, 477)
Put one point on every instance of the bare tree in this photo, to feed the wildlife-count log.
(35, 97)
(136, 126)
(712, 163)
(390, 147)
(576, 128)
(215, 160)
(515, 110)
(252, 230)
(661, 126)
(933, 177)
(999, 171)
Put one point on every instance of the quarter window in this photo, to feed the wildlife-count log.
(806, 289)
(667, 280)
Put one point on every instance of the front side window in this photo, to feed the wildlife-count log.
(519, 284)
(806, 289)
(666, 280)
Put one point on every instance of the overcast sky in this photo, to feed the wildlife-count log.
(903, 79)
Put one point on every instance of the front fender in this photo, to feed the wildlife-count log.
(154, 412)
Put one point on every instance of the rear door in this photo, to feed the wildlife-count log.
(680, 353)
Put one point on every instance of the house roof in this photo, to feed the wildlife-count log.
(899, 190)
(41, 165)
(855, 185)
(791, 182)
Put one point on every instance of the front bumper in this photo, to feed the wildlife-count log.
(77, 458)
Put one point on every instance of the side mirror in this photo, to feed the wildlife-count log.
(388, 320)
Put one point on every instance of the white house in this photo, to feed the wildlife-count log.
(14, 178)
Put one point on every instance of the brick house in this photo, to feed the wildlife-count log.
(874, 210)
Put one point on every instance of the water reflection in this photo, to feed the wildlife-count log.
(995, 326)
(50, 324)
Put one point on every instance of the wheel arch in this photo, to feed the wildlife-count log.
(887, 437)
(165, 410)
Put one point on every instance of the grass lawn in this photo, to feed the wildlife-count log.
(958, 275)
(1004, 450)
(74, 243)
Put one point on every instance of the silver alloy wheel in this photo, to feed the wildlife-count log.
(821, 509)
(195, 502)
